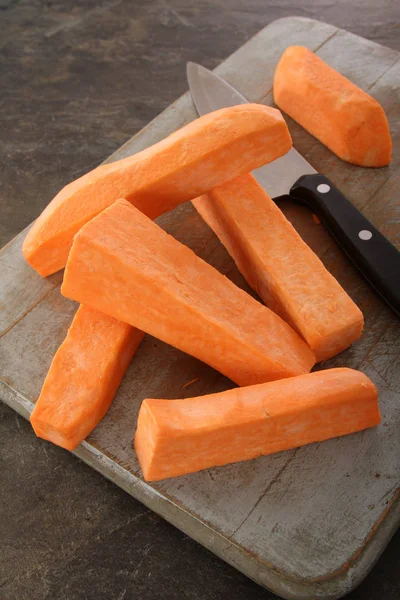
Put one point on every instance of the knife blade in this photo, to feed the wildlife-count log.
(291, 176)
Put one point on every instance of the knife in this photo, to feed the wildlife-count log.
(292, 177)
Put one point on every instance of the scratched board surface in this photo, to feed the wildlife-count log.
(305, 523)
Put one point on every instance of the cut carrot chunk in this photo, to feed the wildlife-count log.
(339, 114)
(125, 265)
(175, 437)
(83, 377)
(282, 269)
(191, 161)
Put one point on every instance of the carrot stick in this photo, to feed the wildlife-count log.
(175, 437)
(279, 265)
(207, 152)
(125, 265)
(339, 114)
(84, 377)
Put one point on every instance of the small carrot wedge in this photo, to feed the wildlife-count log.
(83, 377)
(339, 114)
(176, 437)
(207, 152)
(280, 267)
(125, 265)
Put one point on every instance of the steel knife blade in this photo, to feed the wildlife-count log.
(292, 176)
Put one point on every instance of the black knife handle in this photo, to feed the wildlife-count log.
(376, 258)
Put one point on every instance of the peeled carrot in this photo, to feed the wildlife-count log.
(339, 114)
(280, 266)
(175, 437)
(83, 377)
(191, 161)
(125, 265)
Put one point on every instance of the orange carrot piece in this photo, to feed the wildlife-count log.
(339, 114)
(207, 152)
(83, 377)
(185, 385)
(279, 265)
(175, 437)
(316, 219)
(125, 265)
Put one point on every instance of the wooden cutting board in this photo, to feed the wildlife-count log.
(306, 523)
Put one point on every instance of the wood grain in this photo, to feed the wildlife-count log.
(297, 522)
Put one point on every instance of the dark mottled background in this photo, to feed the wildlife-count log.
(77, 79)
